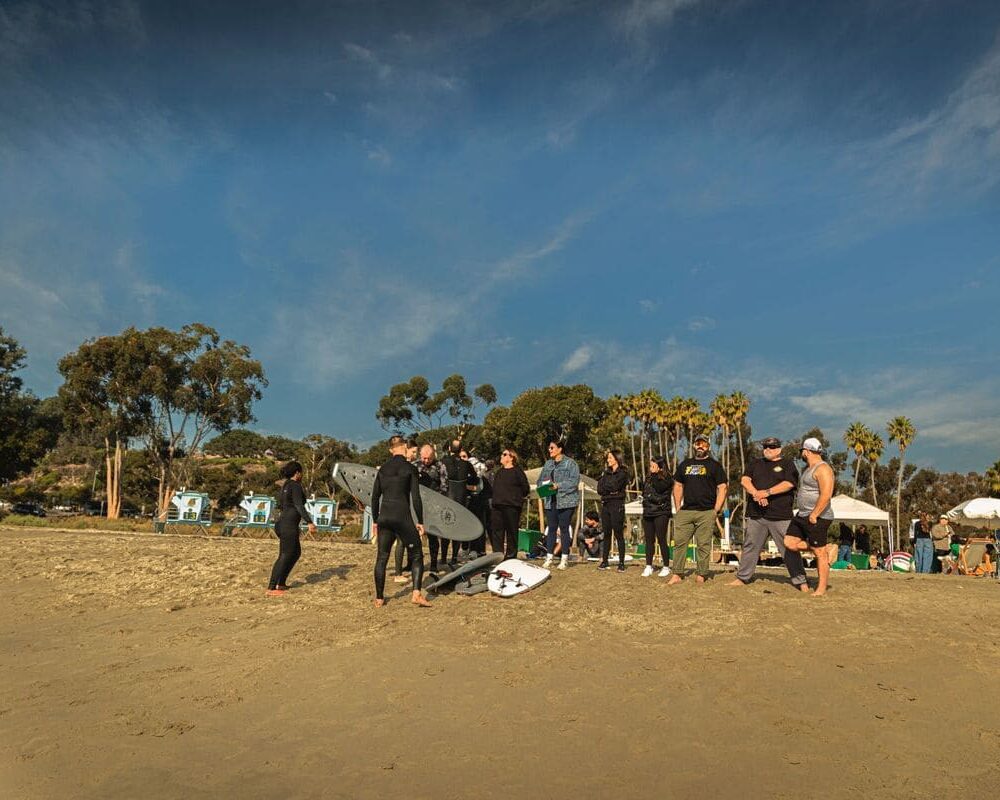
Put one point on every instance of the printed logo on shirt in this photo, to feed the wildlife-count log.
(779, 468)
(696, 469)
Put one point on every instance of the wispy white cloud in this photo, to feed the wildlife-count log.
(698, 324)
(577, 360)
(363, 55)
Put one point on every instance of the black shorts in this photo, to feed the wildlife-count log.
(801, 528)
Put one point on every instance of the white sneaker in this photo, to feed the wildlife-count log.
(648, 571)
(548, 562)
(563, 563)
(665, 572)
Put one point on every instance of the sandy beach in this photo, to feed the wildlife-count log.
(150, 666)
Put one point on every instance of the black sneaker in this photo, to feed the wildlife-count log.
(621, 567)
(604, 565)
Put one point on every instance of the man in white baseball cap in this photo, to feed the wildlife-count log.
(808, 528)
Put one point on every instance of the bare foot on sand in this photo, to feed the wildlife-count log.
(379, 603)
(736, 582)
(674, 580)
(699, 579)
(818, 593)
(804, 588)
(420, 600)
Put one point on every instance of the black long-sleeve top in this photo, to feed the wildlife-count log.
(611, 486)
(397, 482)
(656, 491)
(510, 487)
(293, 504)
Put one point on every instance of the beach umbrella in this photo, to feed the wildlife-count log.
(982, 512)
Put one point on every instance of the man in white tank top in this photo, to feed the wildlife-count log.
(807, 530)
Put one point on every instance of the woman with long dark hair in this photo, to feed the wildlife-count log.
(656, 513)
(563, 474)
(611, 487)
(292, 501)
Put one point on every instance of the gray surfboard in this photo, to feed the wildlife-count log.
(467, 570)
(442, 517)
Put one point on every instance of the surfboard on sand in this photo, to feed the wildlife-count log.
(512, 577)
(442, 517)
(467, 571)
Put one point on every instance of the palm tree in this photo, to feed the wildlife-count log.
(874, 447)
(676, 420)
(624, 409)
(902, 432)
(692, 408)
(993, 480)
(855, 437)
(740, 412)
(720, 410)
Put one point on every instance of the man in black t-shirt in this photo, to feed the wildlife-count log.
(699, 493)
(770, 485)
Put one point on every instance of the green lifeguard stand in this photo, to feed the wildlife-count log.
(323, 511)
(186, 508)
(255, 517)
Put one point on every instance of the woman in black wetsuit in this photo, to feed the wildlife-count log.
(396, 486)
(292, 502)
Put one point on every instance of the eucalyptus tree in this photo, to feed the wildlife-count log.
(102, 393)
(902, 432)
(411, 405)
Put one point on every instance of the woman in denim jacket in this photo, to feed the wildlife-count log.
(564, 474)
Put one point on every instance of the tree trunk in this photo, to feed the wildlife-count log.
(899, 492)
(635, 467)
(743, 468)
(857, 469)
(112, 473)
(874, 494)
(677, 447)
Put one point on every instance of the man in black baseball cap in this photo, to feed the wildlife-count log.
(770, 483)
(699, 494)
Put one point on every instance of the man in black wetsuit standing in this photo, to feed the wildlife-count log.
(396, 487)
(462, 479)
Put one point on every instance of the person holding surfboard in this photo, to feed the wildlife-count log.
(611, 487)
(397, 487)
(293, 510)
(561, 474)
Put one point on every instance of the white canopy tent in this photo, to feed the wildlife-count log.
(852, 511)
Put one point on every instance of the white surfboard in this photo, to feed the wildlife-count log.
(513, 577)
(442, 517)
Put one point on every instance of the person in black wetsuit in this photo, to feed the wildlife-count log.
(611, 487)
(402, 573)
(396, 487)
(462, 479)
(292, 501)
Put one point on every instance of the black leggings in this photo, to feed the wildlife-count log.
(654, 531)
(289, 551)
(400, 548)
(503, 531)
(388, 530)
(613, 522)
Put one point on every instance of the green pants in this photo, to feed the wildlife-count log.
(699, 525)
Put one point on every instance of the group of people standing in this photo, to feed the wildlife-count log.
(693, 496)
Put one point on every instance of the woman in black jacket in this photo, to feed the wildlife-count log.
(656, 513)
(510, 488)
(611, 487)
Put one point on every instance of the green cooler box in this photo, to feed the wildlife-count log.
(527, 539)
(859, 560)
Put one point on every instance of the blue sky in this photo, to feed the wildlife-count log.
(798, 199)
